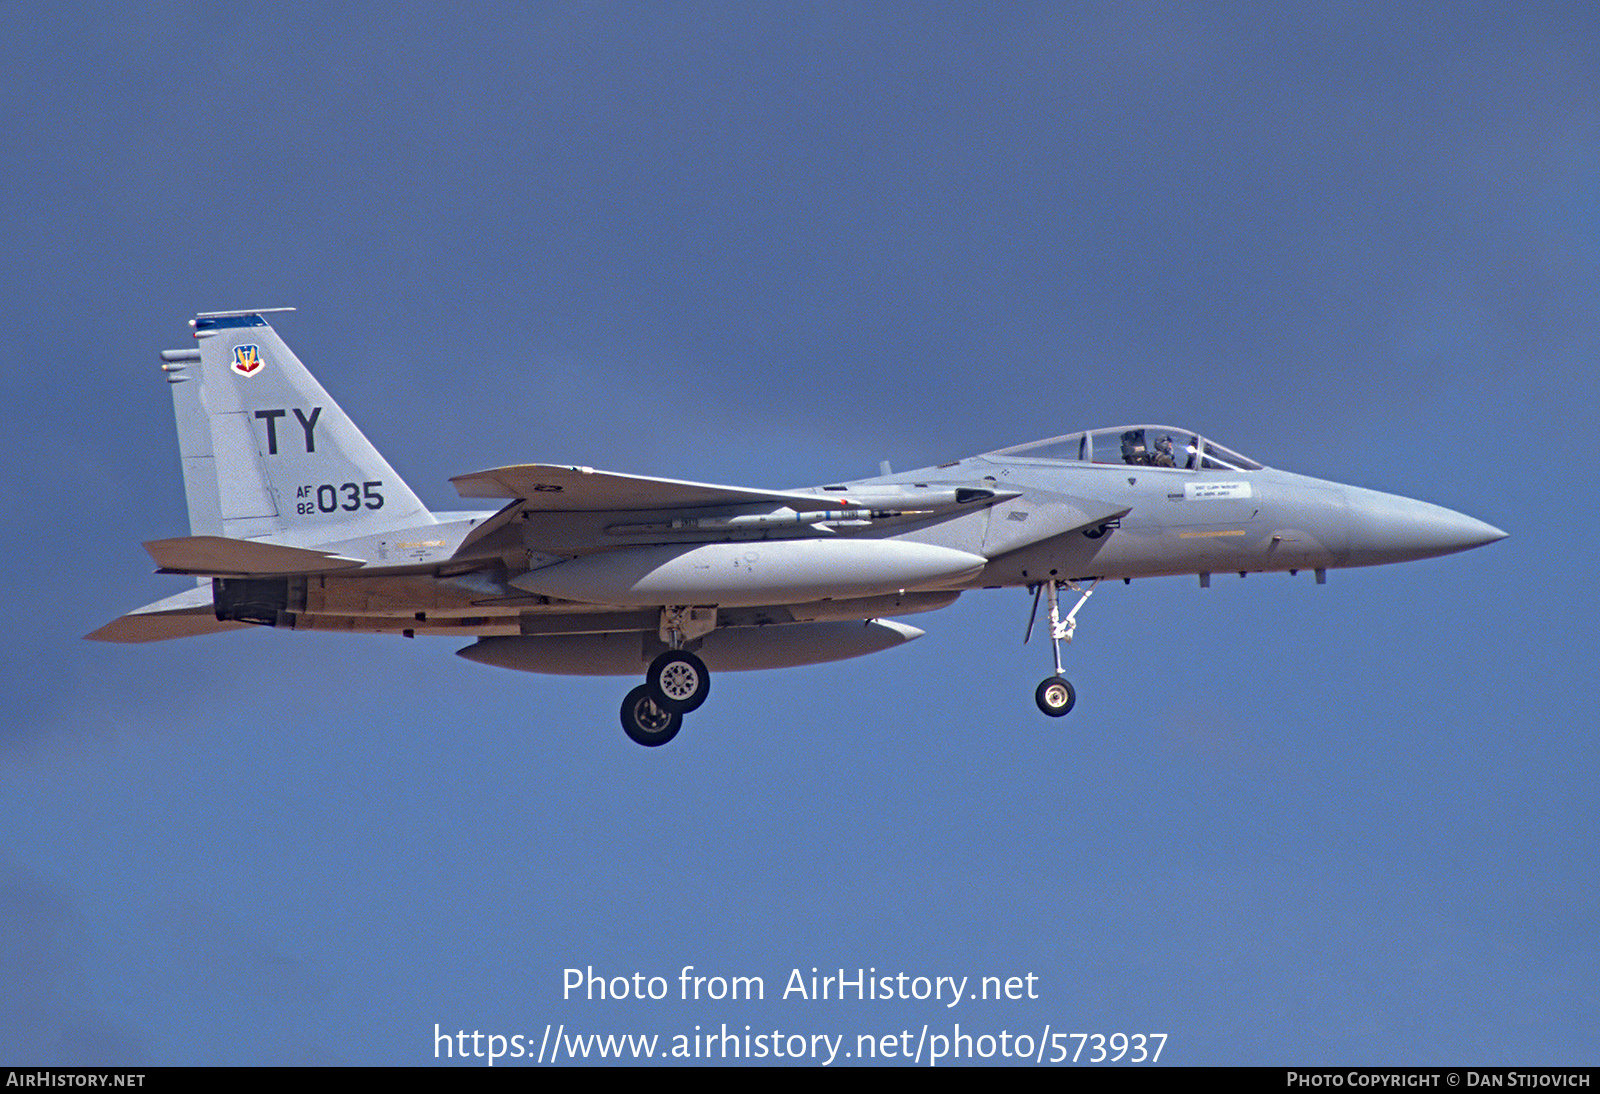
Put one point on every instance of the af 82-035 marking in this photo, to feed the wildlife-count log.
(327, 500)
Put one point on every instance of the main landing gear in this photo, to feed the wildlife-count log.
(644, 722)
(676, 683)
(1054, 694)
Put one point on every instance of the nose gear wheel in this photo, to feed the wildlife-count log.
(1054, 695)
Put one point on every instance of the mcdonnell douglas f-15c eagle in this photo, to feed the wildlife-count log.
(298, 522)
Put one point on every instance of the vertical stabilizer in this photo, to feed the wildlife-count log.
(266, 453)
(182, 367)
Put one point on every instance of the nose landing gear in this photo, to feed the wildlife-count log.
(1054, 695)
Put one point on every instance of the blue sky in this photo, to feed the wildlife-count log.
(772, 245)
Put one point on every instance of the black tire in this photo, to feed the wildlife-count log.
(678, 681)
(646, 723)
(1055, 696)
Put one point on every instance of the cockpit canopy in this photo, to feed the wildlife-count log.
(1137, 446)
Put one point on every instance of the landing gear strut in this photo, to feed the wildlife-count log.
(676, 683)
(1054, 695)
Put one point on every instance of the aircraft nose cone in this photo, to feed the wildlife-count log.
(1388, 528)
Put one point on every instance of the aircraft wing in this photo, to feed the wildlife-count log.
(583, 489)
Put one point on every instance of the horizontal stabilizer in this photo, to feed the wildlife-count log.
(185, 615)
(218, 556)
(583, 489)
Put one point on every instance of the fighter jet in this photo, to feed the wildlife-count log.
(297, 522)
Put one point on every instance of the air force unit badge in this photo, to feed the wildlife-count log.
(247, 360)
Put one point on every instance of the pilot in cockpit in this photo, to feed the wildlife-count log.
(1133, 449)
(1163, 456)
